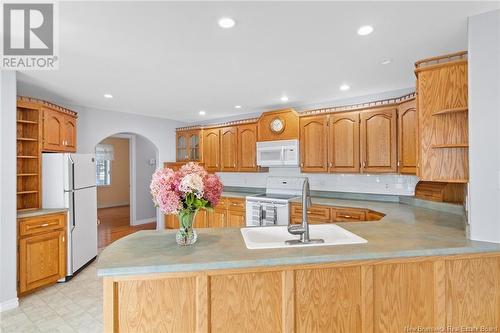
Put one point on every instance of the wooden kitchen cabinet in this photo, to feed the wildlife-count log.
(343, 142)
(41, 251)
(230, 212)
(59, 131)
(200, 221)
(235, 219)
(318, 214)
(211, 149)
(378, 140)
(407, 137)
(229, 149)
(188, 145)
(247, 148)
(313, 143)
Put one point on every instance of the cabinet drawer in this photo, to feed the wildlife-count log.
(236, 204)
(222, 203)
(315, 212)
(348, 214)
(39, 224)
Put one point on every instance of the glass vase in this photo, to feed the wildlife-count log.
(186, 234)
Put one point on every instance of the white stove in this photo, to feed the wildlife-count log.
(273, 207)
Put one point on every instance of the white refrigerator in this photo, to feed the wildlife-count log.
(69, 181)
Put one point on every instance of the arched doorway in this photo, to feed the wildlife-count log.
(124, 165)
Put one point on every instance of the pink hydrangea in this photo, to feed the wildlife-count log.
(191, 167)
(168, 202)
(213, 189)
(161, 182)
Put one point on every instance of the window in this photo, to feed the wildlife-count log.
(104, 154)
(103, 169)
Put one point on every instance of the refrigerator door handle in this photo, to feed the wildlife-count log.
(72, 210)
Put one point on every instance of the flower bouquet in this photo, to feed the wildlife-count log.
(183, 193)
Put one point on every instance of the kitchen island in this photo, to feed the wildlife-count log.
(417, 270)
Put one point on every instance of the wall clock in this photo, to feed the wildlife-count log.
(277, 125)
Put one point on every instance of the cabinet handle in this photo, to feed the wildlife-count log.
(345, 216)
(63, 239)
(301, 165)
(331, 164)
(399, 163)
(364, 164)
(45, 225)
(234, 165)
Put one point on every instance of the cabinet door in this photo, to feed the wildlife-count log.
(211, 150)
(200, 221)
(313, 143)
(171, 221)
(217, 218)
(52, 130)
(182, 146)
(378, 140)
(194, 146)
(407, 137)
(235, 219)
(229, 149)
(42, 260)
(69, 133)
(247, 147)
(343, 142)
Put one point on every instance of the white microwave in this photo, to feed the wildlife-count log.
(284, 153)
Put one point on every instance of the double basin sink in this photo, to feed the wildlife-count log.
(276, 236)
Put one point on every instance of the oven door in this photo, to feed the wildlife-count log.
(263, 214)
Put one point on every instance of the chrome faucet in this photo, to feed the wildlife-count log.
(303, 228)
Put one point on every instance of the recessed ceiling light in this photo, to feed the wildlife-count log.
(202, 113)
(284, 98)
(237, 106)
(226, 22)
(365, 30)
(108, 96)
(386, 61)
(344, 87)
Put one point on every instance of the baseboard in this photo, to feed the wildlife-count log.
(10, 304)
(144, 221)
(114, 205)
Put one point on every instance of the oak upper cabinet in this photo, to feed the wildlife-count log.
(42, 251)
(211, 149)
(378, 140)
(343, 142)
(59, 131)
(229, 149)
(313, 143)
(407, 137)
(247, 146)
(188, 145)
(52, 130)
(69, 133)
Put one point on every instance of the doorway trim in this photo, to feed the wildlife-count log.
(132, 166)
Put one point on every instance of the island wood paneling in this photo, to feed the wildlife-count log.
(393, 295)
(246, 302)
(328, 300)
(163, 305)
(402, 295)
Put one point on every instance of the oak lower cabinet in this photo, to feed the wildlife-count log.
(407, 137)
(211, 149)
(41, 251)
(200, 220)
(378, 140)
(217, 218)
(313, 143)
(318, 214)
(343, 142)
(230, 212)
(59, 131)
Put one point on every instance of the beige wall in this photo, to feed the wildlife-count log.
(118, 193)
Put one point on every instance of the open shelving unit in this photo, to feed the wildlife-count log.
(28, 157)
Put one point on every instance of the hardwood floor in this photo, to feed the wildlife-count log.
(115, 224)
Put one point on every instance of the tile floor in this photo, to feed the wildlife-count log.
(74, 306)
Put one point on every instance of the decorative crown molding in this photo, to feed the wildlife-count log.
(47, 104)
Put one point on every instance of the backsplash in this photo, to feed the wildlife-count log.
(392, 184)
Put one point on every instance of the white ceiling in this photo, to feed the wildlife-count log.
(171, 59)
